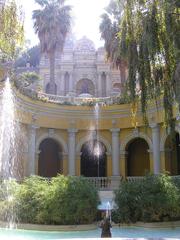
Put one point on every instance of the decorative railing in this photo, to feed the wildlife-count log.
(134, 178)
(68, 100)
(100, 182)
(140, 178)
(105, 183)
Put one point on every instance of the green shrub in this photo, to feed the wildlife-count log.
(30, 199)
(160, 198)
(70, 200)
(63, 200)
(127, 199)
(155, 198)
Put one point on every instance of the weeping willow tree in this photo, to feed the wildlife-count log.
(11, 32)
(149, 40)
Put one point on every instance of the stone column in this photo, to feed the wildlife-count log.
(108, 84)
(65, 164)
(156, 148)
(99, 88)
(72, 151)
(71, 87)
(31, 149)
(115, 151)
(62, 85)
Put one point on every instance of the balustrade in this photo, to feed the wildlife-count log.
(104, 183)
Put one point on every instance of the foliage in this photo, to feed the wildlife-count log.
(127, 198)
(63, 200)
(149, 33)
(11, 30)
(27, 78)
(156, 198)
(52, 23)
(70, 200)
(160, 199)
(31, 56)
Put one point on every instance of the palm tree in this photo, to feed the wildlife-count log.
(52, 23)
(109, 28)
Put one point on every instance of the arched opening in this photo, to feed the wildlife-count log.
(138, 162)
(66, 83)
(50, 158)
(85, 86)
(93, 159)
(103, 84)
(51, 88)
(172, 154)
(117, 87)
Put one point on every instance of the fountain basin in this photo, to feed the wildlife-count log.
(117, 232)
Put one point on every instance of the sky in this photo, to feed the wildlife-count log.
(86, 18)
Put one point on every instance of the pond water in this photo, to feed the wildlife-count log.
(117, 232)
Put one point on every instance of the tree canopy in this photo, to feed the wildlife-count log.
(148, 39)
(11, 30)
(52, 23)
(31, 56)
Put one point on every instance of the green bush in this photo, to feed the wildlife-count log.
(155, 198)
(127, 199)
(63, 200)
(160, 199)
(30, 198)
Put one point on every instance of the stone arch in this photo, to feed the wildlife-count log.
(171, 151)
(58, 140)
(85, 86)
(51, 88)
(134, 135)
(93, 161)
(137, 157)
(117, 85)
(88, 138)
(50, 158)
(164, 137)
(54, 136)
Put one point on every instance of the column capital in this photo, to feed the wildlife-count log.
(123, 153)
(64, 154)
(72, 130)
(154, 126)
(33, 126)
(115, 130)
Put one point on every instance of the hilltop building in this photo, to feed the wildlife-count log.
(81, 69)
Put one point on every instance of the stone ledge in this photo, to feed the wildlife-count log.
(58, 228)
(151, 225)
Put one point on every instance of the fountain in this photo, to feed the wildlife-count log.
(10, 142)
(96, 147)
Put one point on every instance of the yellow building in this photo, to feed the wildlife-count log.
(71, 135)
(95, 141)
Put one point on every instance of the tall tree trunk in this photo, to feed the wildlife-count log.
(52, 86)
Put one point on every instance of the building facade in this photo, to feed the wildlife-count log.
(75, 140)
(81, 70)
(98, 141)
